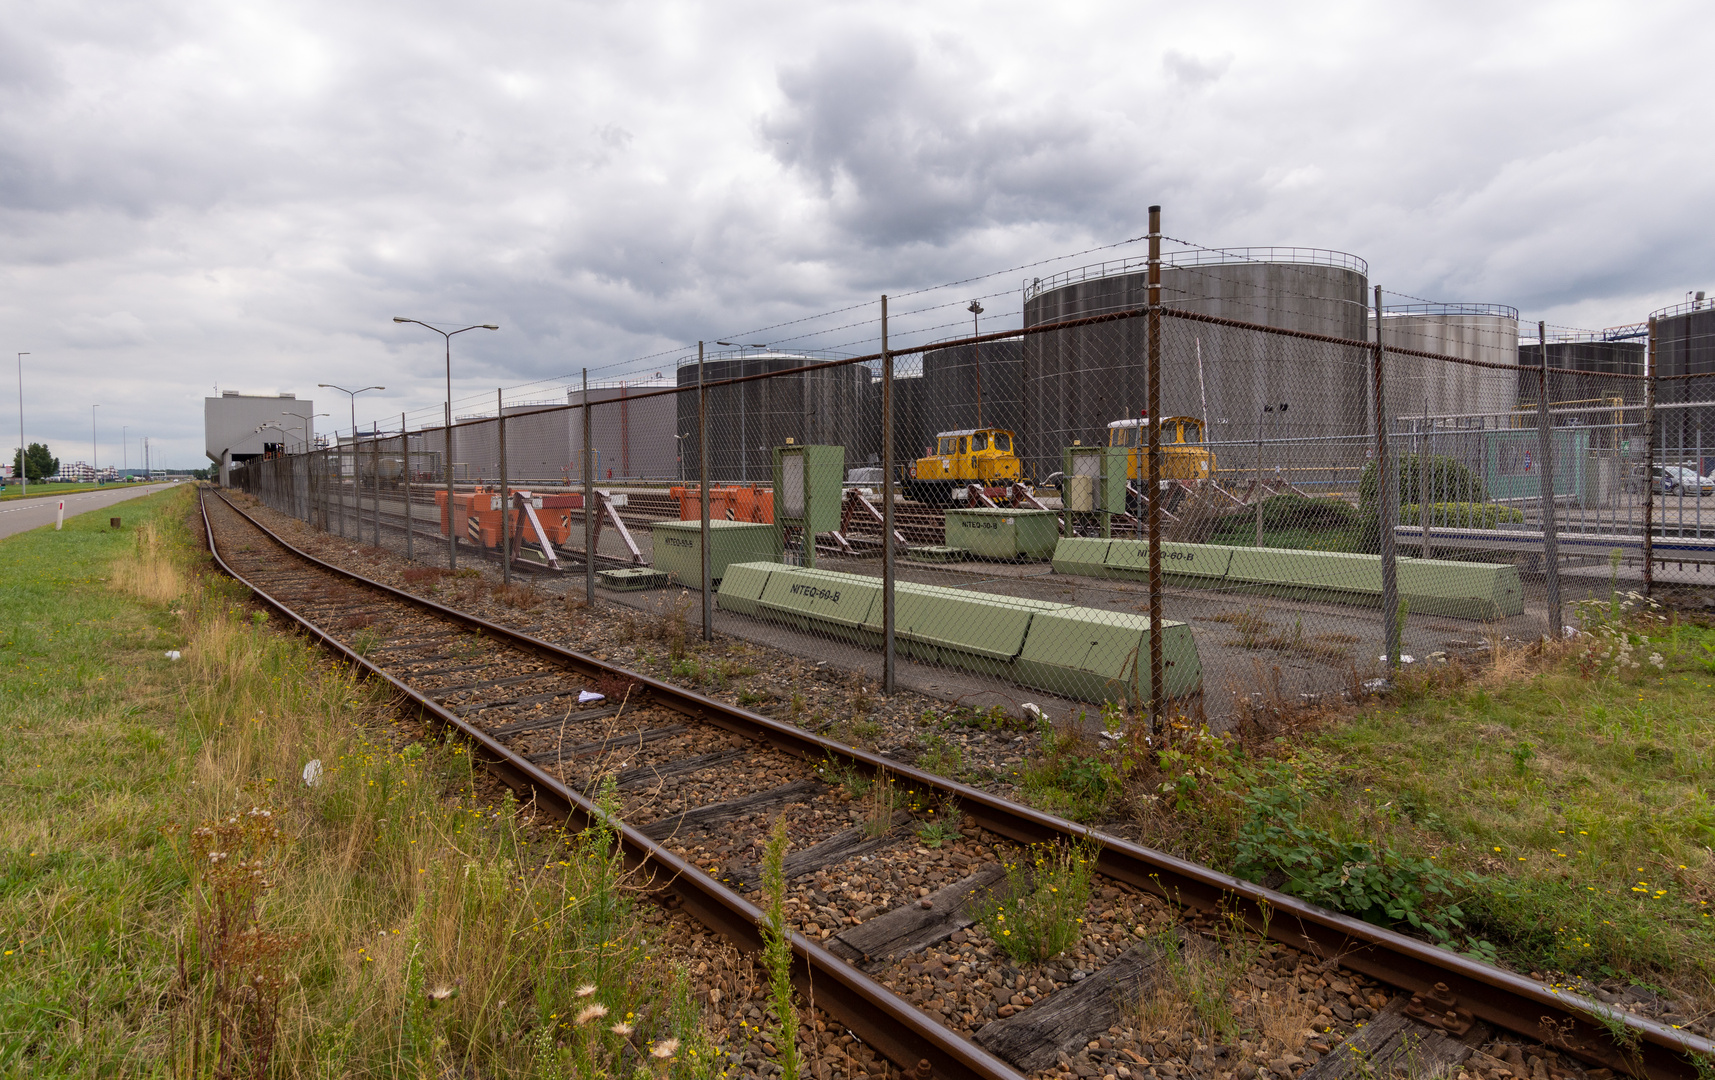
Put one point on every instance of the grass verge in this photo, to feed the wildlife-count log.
(178, 897)
(1555, 812)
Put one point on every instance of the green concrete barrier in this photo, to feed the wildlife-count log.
(742, 586)
(1082, 555)
(1191, 564)
(1096, 655)
(1463, 590)
(837, 604)
(1084, 653)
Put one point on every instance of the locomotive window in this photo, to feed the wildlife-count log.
(962, 442)
(1193, 433)
(946, 446)
(979, 441)
(1002, 443)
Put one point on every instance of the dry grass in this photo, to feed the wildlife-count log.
(149, 571)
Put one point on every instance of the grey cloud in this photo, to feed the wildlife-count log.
(1194, 72)
(915, 148)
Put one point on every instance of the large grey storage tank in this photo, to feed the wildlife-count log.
(1456, 394)
(1077, 381)
(632, 440)
(824, 404)
(1685, 345)
(957, 378)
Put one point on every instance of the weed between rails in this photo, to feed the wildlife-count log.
(382, 920)
(1037, 912)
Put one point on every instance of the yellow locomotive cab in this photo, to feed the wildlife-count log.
(1183, 455)
(986, 456)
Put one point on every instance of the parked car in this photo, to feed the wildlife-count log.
(1686, 480)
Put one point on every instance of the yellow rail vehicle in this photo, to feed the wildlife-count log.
(986, 456)
(1183, 455)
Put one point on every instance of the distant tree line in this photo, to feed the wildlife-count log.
(41, 463)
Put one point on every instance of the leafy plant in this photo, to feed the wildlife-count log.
(941, 827)
(1369, 880)
(1038, 912)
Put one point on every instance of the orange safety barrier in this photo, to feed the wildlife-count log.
(739, 502)
(477, 516)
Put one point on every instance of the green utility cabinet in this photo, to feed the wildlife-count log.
(1094, 481)
(809, 485)
(679, 547)
(1004, 534)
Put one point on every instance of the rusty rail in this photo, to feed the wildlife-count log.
(1584, 1028)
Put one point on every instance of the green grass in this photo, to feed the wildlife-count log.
(14, 491)
(159, 853)
(1555, 813)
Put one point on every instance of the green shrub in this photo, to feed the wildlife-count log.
(1448, 481)
(1287, 512)
(1463, 515)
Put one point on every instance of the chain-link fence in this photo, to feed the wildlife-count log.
(1262, 481)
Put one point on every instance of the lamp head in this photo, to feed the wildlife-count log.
(489, 326)
(397, 318)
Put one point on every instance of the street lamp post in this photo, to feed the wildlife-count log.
(309, 463)
(124, 448)
(94, 465)
(356, 489)
(23, 449)
(447, 466)
(977, 356)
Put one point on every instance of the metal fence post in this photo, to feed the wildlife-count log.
(1153, 408)
(589, 497)
(1649, 462)
(505, 495)
(703, 487)
(887, 599)
(405, 481)
(1545, 448)
(452, 533)
(1387, 499)
(375, 465)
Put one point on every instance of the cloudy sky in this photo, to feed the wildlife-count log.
(198, 193)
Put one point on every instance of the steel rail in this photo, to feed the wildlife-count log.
(1569, 1022)
(890, 1025)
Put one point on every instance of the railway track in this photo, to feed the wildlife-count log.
(699, 782)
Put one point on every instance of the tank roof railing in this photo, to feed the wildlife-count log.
(1505, 311)
(1199, 257)
(1683, 309)
(690, 360)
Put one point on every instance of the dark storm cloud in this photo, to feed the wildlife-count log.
(909, 146)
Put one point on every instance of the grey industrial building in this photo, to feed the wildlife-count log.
(230, 424)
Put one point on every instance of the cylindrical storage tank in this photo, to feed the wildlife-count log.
(1685, 345)
(913, 426)
(1453, 395)
(632, 440)
(957, 378)
(1076, 381)
(824, 405)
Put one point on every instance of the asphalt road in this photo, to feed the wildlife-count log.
(29, 514)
